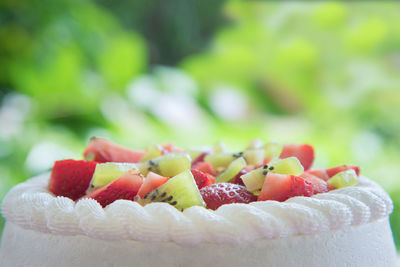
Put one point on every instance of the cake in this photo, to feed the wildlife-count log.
(341, 225)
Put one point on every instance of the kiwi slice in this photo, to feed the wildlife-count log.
(153, 151)
(272, 149)
(231, 171)
(180, 191)
(221, 160)
(254, 180)
(107, 172)
(167, 165)
(254, 157)
(256, 143)
(343, 179)
(220, 147)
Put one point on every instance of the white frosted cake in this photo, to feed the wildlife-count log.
(165, 206)
(344, 227)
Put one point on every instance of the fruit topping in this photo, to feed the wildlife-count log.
(216, 195)
(254, 157)
(231, 171)
(102, 150)
(107, 172)
(180, 191)
(304, 152)
(221, 159)
(238, 178)
(151, 182)
(202, 179)
(152, 152)
(206, 167)
(319, 185)
(344, 179)
(125, 187)
(332, 171)
(280, 187)
(167, 165)
(70, 178)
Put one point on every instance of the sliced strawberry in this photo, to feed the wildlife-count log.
(280, 187)
(102, 150)
(205, 167)
(320, 173)
(125, 187)
(237, 179)
(168, 148)
(319, 185)
(151, 182)
(200, 158)
(304, 152)
(216, 195)
(332, 171)
(71, 178)
(202, 179)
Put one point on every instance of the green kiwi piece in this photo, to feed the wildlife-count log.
(272, 149)
(107, 172)
(180, 191)
(254, 157)
(221, 160)
(254, 180)
(153, 151)
(343, 179)
(220, 147)
(256, 143)
(167, 165)
(231, 171)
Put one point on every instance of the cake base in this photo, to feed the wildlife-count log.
(365, 245)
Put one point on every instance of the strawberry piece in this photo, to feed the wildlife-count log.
(151, 182)
(216, 195)
(332, 171)
(71, 178)
(205, 167)
(280, 187)
(200, 158)
(320, 173)
(125, 187)
(102, 150)
(319, 185)
(237, 179)
(304, 152)
(168, 148)
(202, 179)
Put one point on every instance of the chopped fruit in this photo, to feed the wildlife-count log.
(319, 173)
(254, 180)
(290, 165)
(231, 171)
(304, 152)
(254, 157)
(205, 167)
(70, 178)
(170, 148)
(221, 160)
(332, 171)
(238, 178)
(125, 187)
(102, 150)
(151, 182)
(255, 144)
(107, 172)
(152, 152)
(280, 187)
(319, 185)
(216, 195)
(202, 179)
(167, 165)
(198, 157)
(344, 179)
(271, 150)
(220, 147)
(180, 191)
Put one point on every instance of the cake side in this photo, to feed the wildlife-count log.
(30, 205)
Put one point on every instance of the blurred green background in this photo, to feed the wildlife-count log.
(196, 72)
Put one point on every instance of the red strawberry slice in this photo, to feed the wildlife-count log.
(280, 187)
(200, 158)
(332, 171)
(304, 152)
(202, 179)
(151, 182)
(125, 187)
(71, 178)
(168, 148)
(216, 195)
(102, 150)
(237, 179)
(319, 185)
(205, 167)
(320, 173)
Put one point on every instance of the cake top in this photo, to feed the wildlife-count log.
(219, 197)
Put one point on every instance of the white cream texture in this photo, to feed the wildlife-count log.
(30, 206)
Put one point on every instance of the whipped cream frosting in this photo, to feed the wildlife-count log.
(31, 206)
